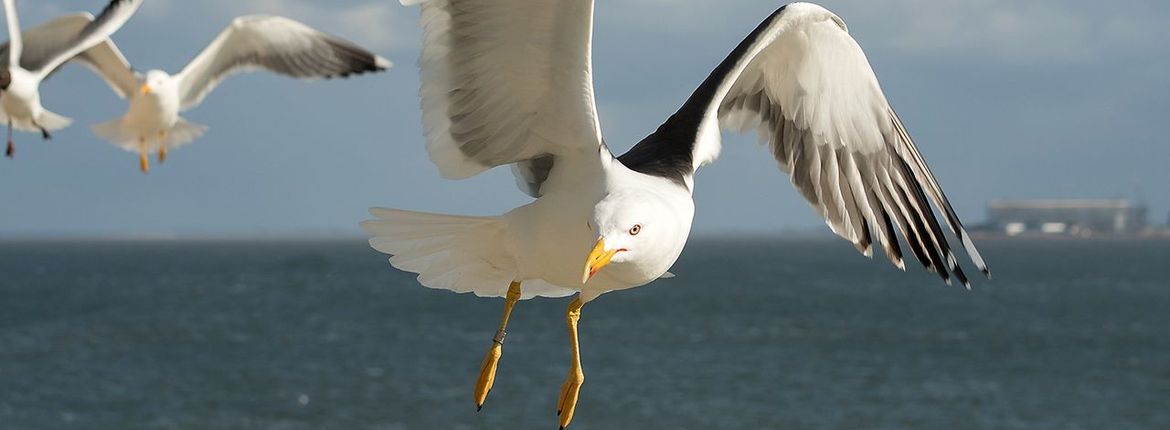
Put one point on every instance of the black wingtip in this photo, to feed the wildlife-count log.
(961, 276)
(943, 273)
(107, 13)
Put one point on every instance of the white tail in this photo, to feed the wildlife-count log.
(48, 120)
(51, 121)
(184, 132)
(457, 253)
(112, 131)
(127, 138)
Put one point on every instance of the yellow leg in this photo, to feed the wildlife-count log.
(143, 162)
(571, 389)
(162, 146)
(487, 373)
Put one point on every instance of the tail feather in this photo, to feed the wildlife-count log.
(131, 138)
(184, 132)
(51, 121)
(46, 120)
(457, 253)
(112, 132)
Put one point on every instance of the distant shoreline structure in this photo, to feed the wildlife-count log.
(1152, 235)
(1069, 218)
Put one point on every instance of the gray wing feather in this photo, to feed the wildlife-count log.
(111, 18)
(853, 190)
(276, 44)
(531, 174)
(43, 42)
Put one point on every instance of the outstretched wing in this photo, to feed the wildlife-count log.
(276, 44)
(42, 42)
(94, 32)
(806, 86)
(56, 35)
(506, 81)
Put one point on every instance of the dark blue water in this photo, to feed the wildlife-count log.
(758, 334)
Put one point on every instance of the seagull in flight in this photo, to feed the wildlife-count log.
(30, 58)
(256, 42)
(509, 82)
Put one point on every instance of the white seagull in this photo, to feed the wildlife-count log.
(509, 82)
(38, 53)
(277, 44)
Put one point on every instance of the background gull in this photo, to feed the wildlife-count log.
(47, 48)
(257, 42)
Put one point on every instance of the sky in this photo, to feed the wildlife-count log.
(1005, 99)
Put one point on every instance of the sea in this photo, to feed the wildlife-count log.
(752, 333)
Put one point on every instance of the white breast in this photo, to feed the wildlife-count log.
(151, 112)
(551, 237)
(22, 100)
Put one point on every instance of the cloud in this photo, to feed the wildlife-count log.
(1017, 32)
(382, 21)
(34, 13)
(378, 25)
(1011, 31)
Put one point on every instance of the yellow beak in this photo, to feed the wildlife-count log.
(145, 89)
(598, 258)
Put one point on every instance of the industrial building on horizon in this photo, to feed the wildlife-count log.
(1068, 217)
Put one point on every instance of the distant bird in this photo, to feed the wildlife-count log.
(510, 82)
(281, 45)
(38, 53)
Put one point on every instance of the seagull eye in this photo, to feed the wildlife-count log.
(637, 228)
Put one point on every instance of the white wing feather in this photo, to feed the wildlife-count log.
(15, 41)
(505, 81)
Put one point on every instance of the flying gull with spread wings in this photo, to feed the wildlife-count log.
(509, 82)
(31, 57)
(256, 42)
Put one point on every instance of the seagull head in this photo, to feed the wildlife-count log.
(639, 233)
(155, 81)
